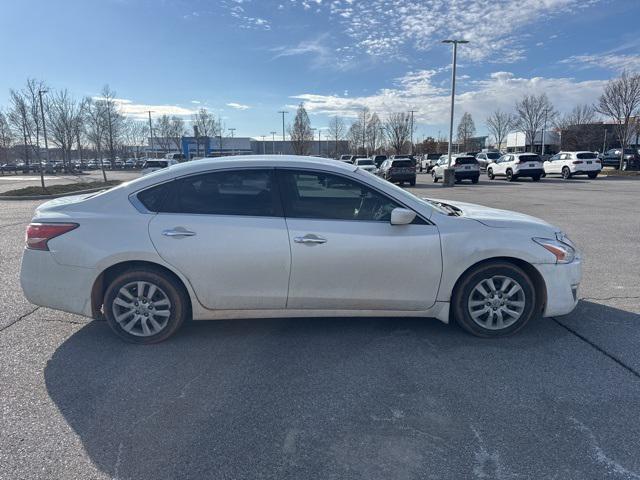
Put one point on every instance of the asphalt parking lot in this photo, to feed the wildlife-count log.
(341, 398)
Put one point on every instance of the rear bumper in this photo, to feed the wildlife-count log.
(462, 175)
(48, 284)
(529, 172)
(562, 282)
(404, 177)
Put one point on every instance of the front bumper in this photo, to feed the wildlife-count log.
(562, 281)
(47, 283)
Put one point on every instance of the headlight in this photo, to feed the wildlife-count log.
(563, 252)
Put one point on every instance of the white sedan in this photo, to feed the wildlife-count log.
(568, 164)
(284, 236)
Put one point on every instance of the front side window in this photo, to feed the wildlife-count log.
(236, 192)
(326, 196)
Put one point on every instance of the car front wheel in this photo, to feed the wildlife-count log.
(566, 173)
(510, 176)
(434, 176)
(144, 306)
(494, 300)
(490, 174)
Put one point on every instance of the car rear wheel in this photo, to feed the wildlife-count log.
(536, 178)
(494, 300)
(566, 173)
(510, 176)
(412, 183)
(593, 175)
(144, 306)
(490, 174)
(434, 176)
(474, 180)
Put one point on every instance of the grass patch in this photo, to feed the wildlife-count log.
(58, 189)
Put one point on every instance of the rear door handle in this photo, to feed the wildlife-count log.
(310, 239)
(178, 232)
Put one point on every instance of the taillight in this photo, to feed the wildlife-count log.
(598, 161)
(38, 234)
(577, 162)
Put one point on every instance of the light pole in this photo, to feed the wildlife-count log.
(150, 133)
(263, 149)
(449, 175)
(312, 135)
(44, 131)
(283, 114)
(412, 112)
(233, 147)
(273, 143)
(319, 143)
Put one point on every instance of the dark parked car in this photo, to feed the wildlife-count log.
(631, 160)
(378, 159)
(399, 170)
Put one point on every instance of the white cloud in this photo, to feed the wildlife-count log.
(238, 106)
(610, 61)
(141, 110)
(418, 91)
(196, 102)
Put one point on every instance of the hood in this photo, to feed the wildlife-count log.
(496, 218)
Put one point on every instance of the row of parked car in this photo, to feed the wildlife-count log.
(57, 166)
(468, 166)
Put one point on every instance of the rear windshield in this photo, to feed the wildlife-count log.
(529, 158)
(493, 155)
(433, 156)
(155, 164)
(402, 163)
(466, 161)
(380, 157)
(586, 155)
(365, 162)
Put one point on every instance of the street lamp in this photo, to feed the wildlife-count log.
(263, 149)
(233, 146)
(283, 114)
(449, 175)
(273, 143)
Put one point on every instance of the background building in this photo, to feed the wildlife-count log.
(516, 142)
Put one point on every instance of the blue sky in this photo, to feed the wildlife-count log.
(247, 59)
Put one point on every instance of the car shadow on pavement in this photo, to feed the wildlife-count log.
(297, 398)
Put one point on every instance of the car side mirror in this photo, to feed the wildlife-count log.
(402, 216)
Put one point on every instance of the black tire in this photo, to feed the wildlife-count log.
(474, 180)
(412, 183)
(465, 289)
(510, 176)
(593, 175)
(434, 176)
(544, 174)
(566, 173)
(178, 306)
(536, 178)
(490, 174)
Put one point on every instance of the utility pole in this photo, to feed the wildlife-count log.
(273, 143)
(283, 114)
(449, 175)
(233, 147)
(44, 131)
(313, 136)
(604, 142)
(412, 112)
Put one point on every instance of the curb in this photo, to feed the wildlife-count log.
(48, 197)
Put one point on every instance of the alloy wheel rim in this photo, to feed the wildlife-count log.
(142, 309)
(496, 303)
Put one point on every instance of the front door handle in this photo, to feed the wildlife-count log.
(310, 239)
(178, 232)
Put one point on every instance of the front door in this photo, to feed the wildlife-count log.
(345, 252)
(224, 231)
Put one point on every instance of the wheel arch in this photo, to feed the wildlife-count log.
(531, 271)
(111, 272)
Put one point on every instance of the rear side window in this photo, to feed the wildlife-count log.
(156, 164)
(239, 192)
(152, 198)
(586, 155)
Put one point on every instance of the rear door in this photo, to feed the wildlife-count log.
(345, 252)
(225, 232)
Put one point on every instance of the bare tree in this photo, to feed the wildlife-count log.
(206, 124)
(136, 133)
(336, 132)
(95, 121)
(620, 101)
(20, 121)
(466, 130)
(397, 129)
(176, 132)
(114, 121)
(500, 124)
(374, 133)
(64, 113)
(577, 128)
(32, 98)
(163, 132)
(354, 137)
(6, 136)
(300, 132)
(532, 113)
